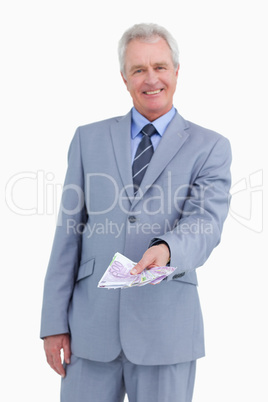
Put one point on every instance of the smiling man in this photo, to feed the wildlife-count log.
(150, 76)
(161, 180)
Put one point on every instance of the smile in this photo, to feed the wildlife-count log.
(157, 91)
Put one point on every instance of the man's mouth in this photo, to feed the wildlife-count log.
(157, 91)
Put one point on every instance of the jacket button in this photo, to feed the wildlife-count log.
(132, 219)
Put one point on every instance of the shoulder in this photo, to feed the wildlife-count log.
(211, 144)
(99, 129)
(202, 136)
(98, 125)
(94, 131)
(204, 133)
(201, 141)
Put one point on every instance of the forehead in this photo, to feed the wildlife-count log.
(142, 52)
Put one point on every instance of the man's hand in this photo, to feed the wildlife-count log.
(53, 345)
(156, 256)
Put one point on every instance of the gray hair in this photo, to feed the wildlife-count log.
(147, 33)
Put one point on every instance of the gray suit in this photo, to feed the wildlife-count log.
(184, 202)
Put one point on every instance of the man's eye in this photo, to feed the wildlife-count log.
(138, 71)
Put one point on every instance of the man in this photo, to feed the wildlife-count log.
(158, 197)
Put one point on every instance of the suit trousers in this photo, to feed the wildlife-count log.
(90, 381)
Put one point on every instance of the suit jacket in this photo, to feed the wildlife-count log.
(184, 199)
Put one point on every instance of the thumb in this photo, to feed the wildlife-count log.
(140, 266)
(67, 349)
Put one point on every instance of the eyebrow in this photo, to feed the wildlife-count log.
(136, 67)
(139, 66)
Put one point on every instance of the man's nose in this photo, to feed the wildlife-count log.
(151, 77)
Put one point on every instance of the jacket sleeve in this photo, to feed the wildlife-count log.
(66, 250)
(199, 229)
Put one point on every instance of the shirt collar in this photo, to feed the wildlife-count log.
(139, 121)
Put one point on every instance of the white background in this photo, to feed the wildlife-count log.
(59, 69)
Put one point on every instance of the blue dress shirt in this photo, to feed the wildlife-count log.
(138, 122)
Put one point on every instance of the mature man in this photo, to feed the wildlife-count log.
(155, 188)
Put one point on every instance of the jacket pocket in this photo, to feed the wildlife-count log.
(188, 277)
(86, 269)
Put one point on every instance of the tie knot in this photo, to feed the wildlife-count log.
(149, 130)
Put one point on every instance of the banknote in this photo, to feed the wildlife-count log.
(118, 275)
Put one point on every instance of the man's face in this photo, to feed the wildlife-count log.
(150, 77)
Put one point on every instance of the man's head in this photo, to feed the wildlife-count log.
(149, 65)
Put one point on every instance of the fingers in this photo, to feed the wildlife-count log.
(155, 256)
(139, 267)
(67, 350)
(53, 346)
(146, 262)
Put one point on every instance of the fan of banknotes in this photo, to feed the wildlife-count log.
(118, 275)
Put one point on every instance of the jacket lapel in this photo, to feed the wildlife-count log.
(171, 142)
(120, 133)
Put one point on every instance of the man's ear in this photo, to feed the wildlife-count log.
(177, 71)
(125, 81)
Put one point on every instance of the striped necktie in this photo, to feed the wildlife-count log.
(143, 156)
